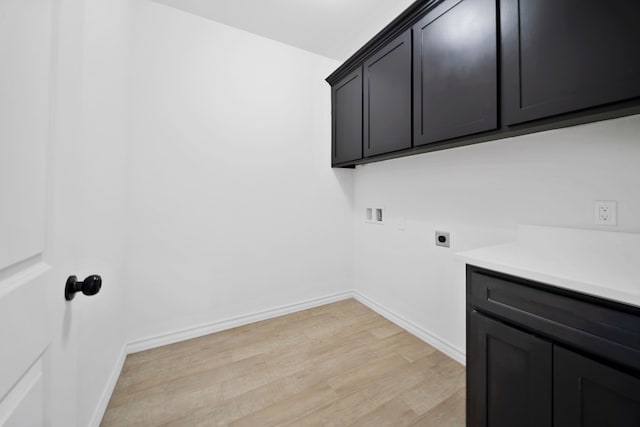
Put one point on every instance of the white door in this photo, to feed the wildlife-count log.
(26, 28)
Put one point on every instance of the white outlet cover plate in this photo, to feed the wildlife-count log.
(402, 223)
(605, 212)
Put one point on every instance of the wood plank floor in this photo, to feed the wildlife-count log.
(336, 365)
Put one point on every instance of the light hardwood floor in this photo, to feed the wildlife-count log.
(336, 365)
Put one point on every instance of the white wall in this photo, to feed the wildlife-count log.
(233, 206)
(189, 166)
(480, 193)
(87, 186)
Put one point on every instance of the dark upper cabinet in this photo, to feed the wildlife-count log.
(560, 56)
(346, 99)
(455, 71)
(387, 98)
(590, 394)
(510, 373)
(481, 70)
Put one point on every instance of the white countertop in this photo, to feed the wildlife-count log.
(599, 263)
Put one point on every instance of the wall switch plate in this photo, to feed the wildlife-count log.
(443, 239)
(605, 212)
(402, 224)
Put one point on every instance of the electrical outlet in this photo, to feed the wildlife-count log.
(605, 212)
(443, 239)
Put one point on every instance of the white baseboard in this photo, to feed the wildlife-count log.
(234, 322)
(108, 390)
(221, 325)
(209, 328)
(426, 336)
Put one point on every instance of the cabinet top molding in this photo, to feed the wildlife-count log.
(404, 21)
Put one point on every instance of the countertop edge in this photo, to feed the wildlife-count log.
(558, 281)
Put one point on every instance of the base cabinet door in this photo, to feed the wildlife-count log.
(509, 376)
(560, 56)
(590, 394)
(346, 99)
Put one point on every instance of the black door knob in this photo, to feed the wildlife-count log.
(89, 286)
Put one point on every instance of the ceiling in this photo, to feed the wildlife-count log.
(331, 28)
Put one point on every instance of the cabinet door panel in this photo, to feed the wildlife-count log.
(387, 98)
(611, 332)
(590, 394)
(566, 55)
(509, 376)
(455, 71)
(347, 118)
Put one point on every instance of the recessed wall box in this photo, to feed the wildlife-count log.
(442, 239)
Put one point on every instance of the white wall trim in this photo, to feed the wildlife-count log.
(209, 328)
(234, 322)
(108, 389)
(426, 336)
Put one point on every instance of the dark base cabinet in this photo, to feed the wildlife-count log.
(534, 361)
(591, 394)
(512, 368)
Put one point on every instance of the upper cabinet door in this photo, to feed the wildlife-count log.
(566, 55)
(347, 118)
(387, 98)
(455, 71)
